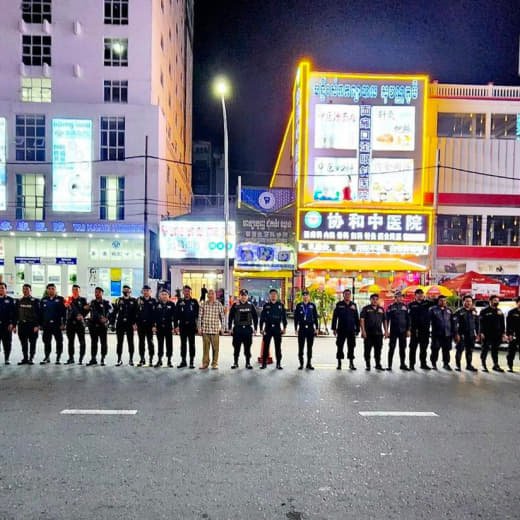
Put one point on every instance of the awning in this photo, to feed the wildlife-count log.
(342, 263)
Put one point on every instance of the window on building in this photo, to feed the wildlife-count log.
(30, 196)
(505, 126)
(116, 52)
(462, 230)
(461, 125)
(502, 230)
(116, 91)
(36, 50)
(112, 206)
(36, 11)
(112, 139)
(36, 90)
(30, 137)
(116, 12)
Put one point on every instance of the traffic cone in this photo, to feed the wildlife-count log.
(260, 358)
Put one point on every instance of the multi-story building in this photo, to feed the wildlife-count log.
(84, 85)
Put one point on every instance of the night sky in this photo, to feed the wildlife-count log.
(258, 45)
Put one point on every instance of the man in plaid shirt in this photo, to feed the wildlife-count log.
(212, 321)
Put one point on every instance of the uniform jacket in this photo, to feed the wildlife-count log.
(419, 316)
(305, 317)
(145, 315)
(124, 313)
(398, 318)
(243, 315)
(99, 309)
(374, 319)
(345, 318)
(53, 311)
(8, 314)
(442, 322)
(466, 323)
(28, 310)
(273, 315)
(164, 314)
(492, 323)
(76, 307)
(513, 323)
(187, 313)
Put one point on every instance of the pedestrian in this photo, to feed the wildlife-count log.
(492, 332)
(374, 325)
(28, 324)
(145, 321)
(53, 314)
(399, 324)
(419, 311)
(77, 309)
(212, 321)
(245, 319)
(466, 332)
(306, 326)
(100, 310)
(8, 319)
(164, 317)
(345, 326)
(186, 317)
(203, 293)
(123, 320)
(443, 331)
(272, 318)
(513, 334)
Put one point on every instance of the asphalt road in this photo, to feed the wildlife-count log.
(257, 444)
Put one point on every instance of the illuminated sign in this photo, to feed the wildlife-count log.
(71, 165)
(3, 159)
(44, 226)
(195, 239)
(265, 257)
(364, 249)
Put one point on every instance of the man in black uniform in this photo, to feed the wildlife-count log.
(466, 331)
(145, 320)
(419, 329)
(399, 321)
(28, 324)
(77, 309)
(492, 332)
(513, 334)
(53, 313)
(345, 325)
(374, 324)
(123, 318)
(273, 315)
(443, 330)
(99, 317)
(306, 326)
(243, 315)
(8, 317)
(186, 324)
(164, 318)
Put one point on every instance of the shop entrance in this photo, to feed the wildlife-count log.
(211, 280)
(259, 288)
(39, 275)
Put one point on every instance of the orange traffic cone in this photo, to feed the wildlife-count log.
(260, 358)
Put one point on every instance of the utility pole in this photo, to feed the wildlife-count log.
(145, 218)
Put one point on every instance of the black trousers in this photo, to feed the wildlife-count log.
(375, 342)
(492, 344)
(419, 338)
(98, 332)
(466, 344)
(6, 337)
(76, 329)
(277, 337)
(514, 346)
(145, 334)
(305, 335)
(242, 335)
(350, 337)
(394, 339)
(187, 337)
(49, 332)
(121, 332)
(28, 339)
(441, 343)
(164, 334)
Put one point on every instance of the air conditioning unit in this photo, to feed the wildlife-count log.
(77, 28)
(46, 27)
(46, 70)
(77, 71)
(23, 70)
(22, 26)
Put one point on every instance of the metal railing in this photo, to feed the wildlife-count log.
(474, 91)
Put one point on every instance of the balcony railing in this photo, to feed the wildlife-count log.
(440, 90)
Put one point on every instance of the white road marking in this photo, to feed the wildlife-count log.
(98, 412)
(398, 414)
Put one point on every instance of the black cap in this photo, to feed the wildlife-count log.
(147, 287)
(99, 289)
(398, 293)
(126, 287)
(243, 292)
(306, 292)
(187, 287)
(419, 291)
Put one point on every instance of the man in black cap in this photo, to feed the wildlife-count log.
(272, 317)
(123, 318)
(164, 317)
(513, 334)
(145, 322)
(306, 326)
(8, 317)
(466, 332)
(492, 332)
(186, 324)
(399, 321)
(345, 325)
(419, 329)
(77, 309)
(373, 324)
(53, 312)
(97, 325)
(243, 315)
(443, 331)
(28, 324)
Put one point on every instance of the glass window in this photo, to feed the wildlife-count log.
(112, 139)
(460, 230)
(35, 11)
(504, 126)
(36, 50)
(36, 90)
(461, 125)
(116, 52)
(112, 206)
(116, 12)
(30, 196)
(116, 91)
(502, 230)
(30, 137)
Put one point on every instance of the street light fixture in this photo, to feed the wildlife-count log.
(222, 89)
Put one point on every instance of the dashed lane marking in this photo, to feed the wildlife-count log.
(397, 414)
(98, 412)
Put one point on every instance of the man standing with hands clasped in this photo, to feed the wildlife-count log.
(272, 318)
(399, 321)
(53, 311)
(98, 323)
(492, 332)
(466, 331)
(345, 325)
(77, 309)
(186, 316)
(243, 315)
(306, 326)
(212, 321)
(374, 324)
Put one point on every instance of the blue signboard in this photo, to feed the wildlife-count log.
(58, 226)
(62, 260)
(27, 260)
